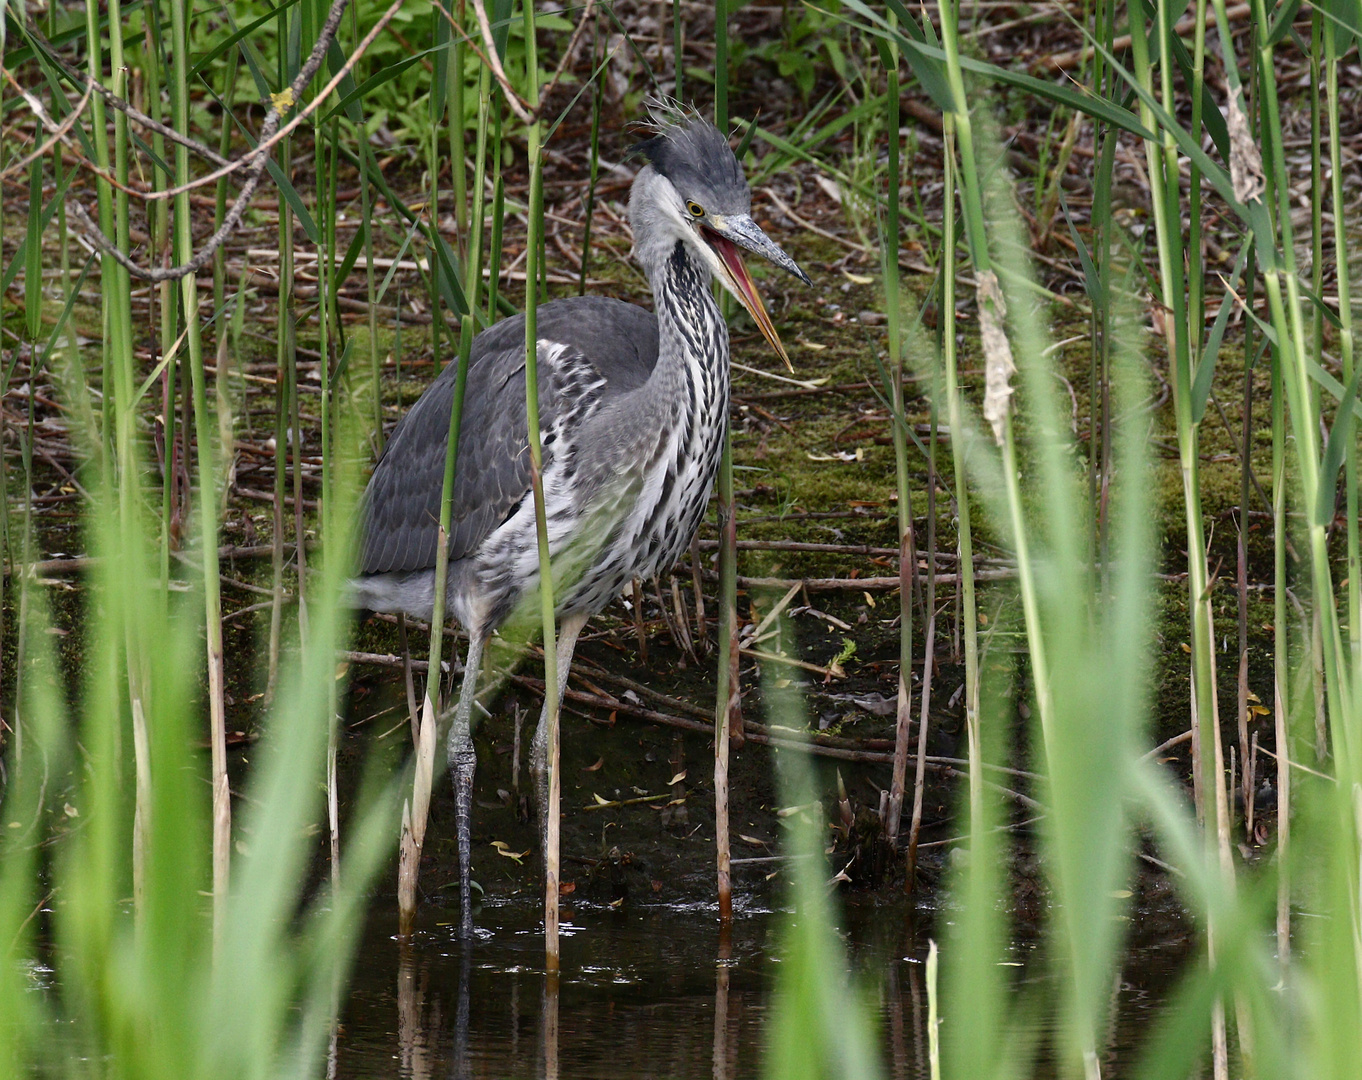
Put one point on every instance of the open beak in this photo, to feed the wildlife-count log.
(726, 235)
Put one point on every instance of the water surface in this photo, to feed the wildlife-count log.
(654, 991)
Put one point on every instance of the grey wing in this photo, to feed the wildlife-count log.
(492, 473)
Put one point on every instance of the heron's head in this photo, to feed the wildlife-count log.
(693, 190)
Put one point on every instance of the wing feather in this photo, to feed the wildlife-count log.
(492, 476)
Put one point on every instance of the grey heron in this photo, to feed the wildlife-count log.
(633, 406)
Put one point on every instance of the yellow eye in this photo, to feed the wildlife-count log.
(696, 210)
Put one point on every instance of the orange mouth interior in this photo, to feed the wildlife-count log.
(731, 257)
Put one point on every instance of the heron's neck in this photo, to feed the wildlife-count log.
(693, 338)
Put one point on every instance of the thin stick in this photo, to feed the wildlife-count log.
(639, 632)
(928, 656)
(701, 627)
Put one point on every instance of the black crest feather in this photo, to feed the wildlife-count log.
(686, 148)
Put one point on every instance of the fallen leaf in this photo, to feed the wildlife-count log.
(594, 768)
(504, 849)
(830, 187)
(677, 778)
(566, 888)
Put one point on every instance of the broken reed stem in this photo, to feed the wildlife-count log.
(415, 813)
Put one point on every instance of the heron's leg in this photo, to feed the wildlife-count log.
(568, 629)
(463, 760)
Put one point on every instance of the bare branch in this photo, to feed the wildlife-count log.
(116, 102)
(57, 131)
(257, 159)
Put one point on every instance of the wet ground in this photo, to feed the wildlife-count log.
(649, 987)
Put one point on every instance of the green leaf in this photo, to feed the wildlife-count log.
(928, 65)
(295, 202)
(1340, 435)
(352, 254)
(1346, 15)
(1282, 20)
(222, 47)
(33, 254)
(1205, 371)
(1079, 99)
(384, 75)
(401, 253)
(501, 20)
(446, 273)
(21, 254)
(1092, 280)
(263, 86)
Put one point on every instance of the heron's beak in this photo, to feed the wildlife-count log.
(725, 235)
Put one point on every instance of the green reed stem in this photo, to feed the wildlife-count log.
(678, 50)
(726, 708)
(473, 275)
(1106, 83)
(1346, 345)
(158, 214)
(416, 814)
(1208, 763)
(328, 287)
(284, 361)
(498, 212)
(589, 202)
(533, 249)
(1286, 308)
(458, 165)
(120, 424)
(189, 299)
(969, 614)
(907, 560)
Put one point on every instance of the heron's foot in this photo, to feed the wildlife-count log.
(463, 763)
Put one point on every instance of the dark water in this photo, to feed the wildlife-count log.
(655, 992)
